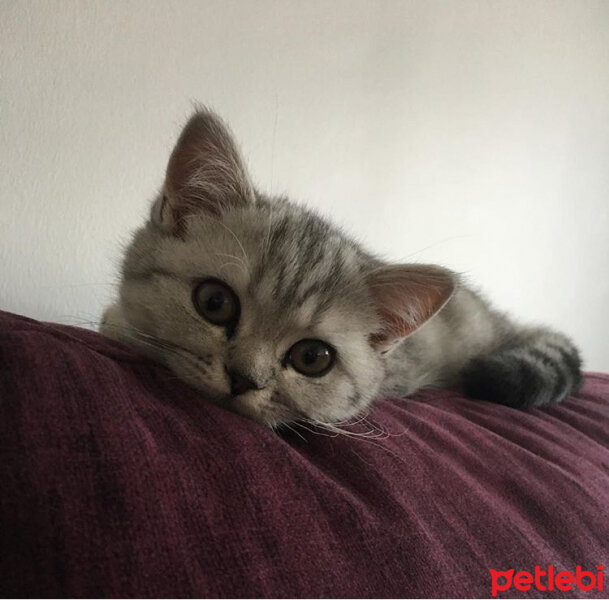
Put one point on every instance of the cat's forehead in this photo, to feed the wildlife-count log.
(283, 252)
(291, 264)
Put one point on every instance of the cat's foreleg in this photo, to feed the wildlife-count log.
(505, 362)
(481, 351)
(534, 367)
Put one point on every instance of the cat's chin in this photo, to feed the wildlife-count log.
(259, 409)
(249, 405)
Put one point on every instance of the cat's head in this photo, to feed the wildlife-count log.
(261, 304)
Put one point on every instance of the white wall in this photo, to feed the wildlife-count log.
(471, 133)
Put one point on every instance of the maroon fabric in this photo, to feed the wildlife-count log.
(118, 480)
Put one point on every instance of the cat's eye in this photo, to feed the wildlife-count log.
(313, 358)
(216, 302)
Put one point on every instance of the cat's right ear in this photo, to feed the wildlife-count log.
(205, 174)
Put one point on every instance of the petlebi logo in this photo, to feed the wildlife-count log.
(547, 579)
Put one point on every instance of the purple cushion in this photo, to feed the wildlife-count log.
(119, 480)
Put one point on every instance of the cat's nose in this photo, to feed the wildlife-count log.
(240, 383)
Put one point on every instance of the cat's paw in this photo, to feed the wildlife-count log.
(519, 378)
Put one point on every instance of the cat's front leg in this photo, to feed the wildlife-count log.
(471, 346)
(536, 368)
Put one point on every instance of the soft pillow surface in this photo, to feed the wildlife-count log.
(118, 480)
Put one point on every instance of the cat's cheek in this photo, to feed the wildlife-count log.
(363, 376)
(202, 375)
(331, 398)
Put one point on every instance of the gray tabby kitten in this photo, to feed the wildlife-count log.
(273, 312)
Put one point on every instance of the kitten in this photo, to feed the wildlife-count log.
(273, 312)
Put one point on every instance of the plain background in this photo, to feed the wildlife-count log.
(473, 134)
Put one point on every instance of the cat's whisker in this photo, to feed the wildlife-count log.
(288, 426)
(273, 143)
(351, 420)
(150, 341)
(339, 431)
(448, 239)
(302, 425)
(368, 440)
(76, 285)
(321, 428)
(267, 242)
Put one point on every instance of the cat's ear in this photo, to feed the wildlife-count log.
(405, 297)
(205, 174)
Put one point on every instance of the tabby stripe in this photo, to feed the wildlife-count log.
(560, 386)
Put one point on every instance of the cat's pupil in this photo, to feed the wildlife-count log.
(312, 355)
(216, 301)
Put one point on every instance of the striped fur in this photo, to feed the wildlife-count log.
(395, 328)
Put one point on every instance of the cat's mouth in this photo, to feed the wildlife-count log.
(260, 407)
(199, 372)
(248, 404)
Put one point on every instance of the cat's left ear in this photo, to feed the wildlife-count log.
(405, 297)
(205, 174)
